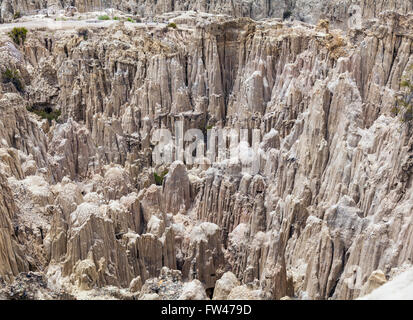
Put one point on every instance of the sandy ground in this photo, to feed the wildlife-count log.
(50, 23)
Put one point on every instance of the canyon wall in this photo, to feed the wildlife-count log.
(330, 203)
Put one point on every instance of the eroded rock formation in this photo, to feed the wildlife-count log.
(329, 203)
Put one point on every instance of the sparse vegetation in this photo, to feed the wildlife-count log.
(13, 76)
(333, 40)
(104, 17)
(116, 18)
(159, 178)
(18, 35)
(323, 25)
(404, 103)
(83, 33)
(335, 44)
(45, 113)
(287, 14)
(172, 25)
(130, 20)
(17, 15)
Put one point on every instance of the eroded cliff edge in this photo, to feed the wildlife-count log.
(332, 198)
(341, 13)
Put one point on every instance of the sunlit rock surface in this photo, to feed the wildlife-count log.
(327, 212)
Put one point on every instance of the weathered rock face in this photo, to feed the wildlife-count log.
(205, 258)
(376, 280)
(330, 201)
(12, 259)
(224, 286)
(176, 189)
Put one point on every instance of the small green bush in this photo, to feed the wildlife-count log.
(172, 25)
(47, 113)
(287, 14)
(131, 20)
(13, 76)
(116, 18)
(17, 15)
(18, 35)
(159, 178)
(404, 104)
(83, 33)
(104, 17)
